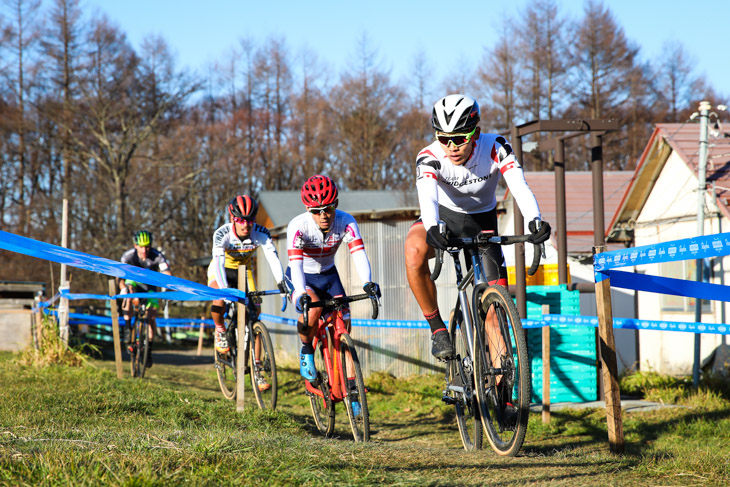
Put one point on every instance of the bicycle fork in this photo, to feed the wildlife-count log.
(464, 389)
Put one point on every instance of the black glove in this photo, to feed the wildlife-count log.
(283, 288)
(372, 289)
(435, 239)
(303, 301)
(540, 231)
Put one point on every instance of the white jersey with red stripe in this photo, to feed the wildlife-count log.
(312, 251)
(471, 187)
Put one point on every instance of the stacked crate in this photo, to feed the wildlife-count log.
(573, 374)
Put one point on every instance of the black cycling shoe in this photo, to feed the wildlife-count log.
(442, 348)
(149, 356)
(509, 417)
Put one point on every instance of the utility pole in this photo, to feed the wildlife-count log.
(701, 189)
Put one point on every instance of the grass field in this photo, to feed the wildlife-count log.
(82, 426)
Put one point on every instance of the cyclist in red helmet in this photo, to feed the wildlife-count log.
(233, 245)
(312, 241)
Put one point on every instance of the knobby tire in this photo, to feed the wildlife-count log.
(266, 370)
(504, 408)
(323, 410)
(461, 373)
(360, 424)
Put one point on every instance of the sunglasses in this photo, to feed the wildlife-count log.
(321, 209)
(243, 220)
(457, 139)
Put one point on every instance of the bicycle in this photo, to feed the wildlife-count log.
(262, 371)
(488, 381)
(335, 347)
(139, 349)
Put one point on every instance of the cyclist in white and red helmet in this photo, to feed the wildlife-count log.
(313, 238)
(456, 180)
(234, 244)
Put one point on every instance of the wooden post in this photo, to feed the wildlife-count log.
(241, 355)
(612, 394)
(63, 303)
(115, 329)
(546, 368)
(201, 336)
(38, 338)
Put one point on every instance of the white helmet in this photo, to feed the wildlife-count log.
(455, 113)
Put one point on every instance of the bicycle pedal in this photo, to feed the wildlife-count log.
(449, 400)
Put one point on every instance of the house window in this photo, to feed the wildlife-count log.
(687, 270)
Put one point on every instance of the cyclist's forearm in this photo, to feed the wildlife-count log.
(362, 265)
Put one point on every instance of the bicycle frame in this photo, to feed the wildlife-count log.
(332, 320)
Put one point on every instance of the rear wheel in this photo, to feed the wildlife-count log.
(225, 364)
(323, 409)
(461, 374)
(144, 350)
(136, 347)
(502, 372)
(263, 372)
(355, 399)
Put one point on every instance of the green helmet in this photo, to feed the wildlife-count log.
(143, 238)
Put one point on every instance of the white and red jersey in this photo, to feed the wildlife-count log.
(312, 251)
(471, 187)
(229, 251)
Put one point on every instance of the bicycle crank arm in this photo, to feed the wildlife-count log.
(455, 389)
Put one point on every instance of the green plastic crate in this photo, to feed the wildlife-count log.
(573, 376)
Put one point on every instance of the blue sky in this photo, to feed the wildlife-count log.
(448, 33)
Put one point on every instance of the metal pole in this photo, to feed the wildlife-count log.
(519, 229)
(599, 225)
(701, 188)
(561, 223)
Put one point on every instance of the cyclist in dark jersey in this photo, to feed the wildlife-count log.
(456, 180)
(145, 256)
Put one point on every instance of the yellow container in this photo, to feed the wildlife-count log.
(546, 275)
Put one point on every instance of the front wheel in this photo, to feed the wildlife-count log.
(225, 365)
(461, 374)
(355, 398)
(323, 409)
(263, 371)
(502, 371)
(138, 348)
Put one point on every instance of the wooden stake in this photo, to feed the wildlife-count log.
(546, 368)
(612, 394)
(201, 336)
(115, 329)
(241, 355)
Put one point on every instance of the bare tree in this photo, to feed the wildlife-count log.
(499, 78)
(676, 83)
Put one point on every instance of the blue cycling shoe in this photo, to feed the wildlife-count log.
(356, 410)
(306, 366)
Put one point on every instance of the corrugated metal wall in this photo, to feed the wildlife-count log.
(399, 351)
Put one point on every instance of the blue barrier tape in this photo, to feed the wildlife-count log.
(689, 248)
(169, 295)
(634, 324)
(84, 319)
(668, 285)
(74, 258)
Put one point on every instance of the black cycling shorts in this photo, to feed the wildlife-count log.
(467, 225)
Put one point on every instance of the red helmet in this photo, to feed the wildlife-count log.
(243, 206)
(319, 191)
